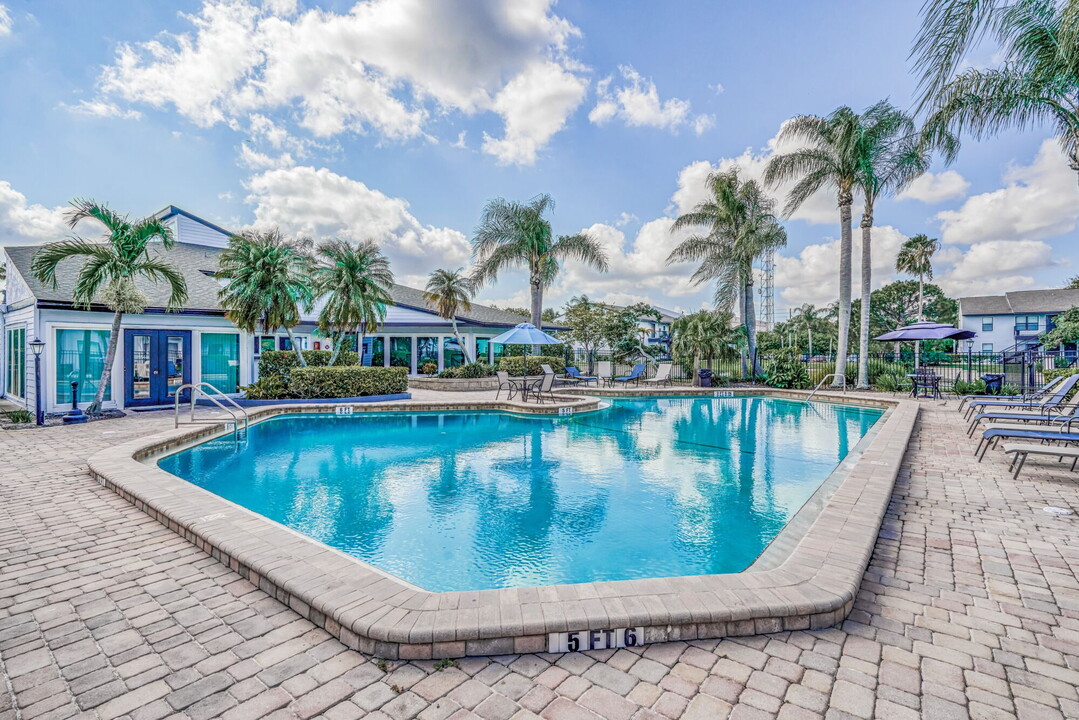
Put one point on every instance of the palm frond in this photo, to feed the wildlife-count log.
(48, 258)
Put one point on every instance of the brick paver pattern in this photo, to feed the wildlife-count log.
(970, 608)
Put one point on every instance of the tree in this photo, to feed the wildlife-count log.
(356, 283)
(450, 292)
(111, 269)
(808, 315)
(587, 321)
(893, 155)
(896, 305)
(916, 258)
(1066, 330)
(268, 281)
(1037, 81)
(621, 329)
(1073, 283)
(705, 334)
(742, 226)
(832, 158)
(513, 234)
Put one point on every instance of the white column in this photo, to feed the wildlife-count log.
(413, 356)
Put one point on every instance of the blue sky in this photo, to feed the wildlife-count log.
(395, 120)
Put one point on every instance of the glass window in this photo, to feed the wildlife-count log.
(987, 347)
(987, 324)
(378, 351)
(266, 342)
(80, 357)
(1026, 322)
(451, 353)
(221, 361)
(401, 352)
(16, 362)
(483, 347)
(499, 351)
(426, 351)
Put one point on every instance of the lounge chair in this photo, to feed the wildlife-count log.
(544, 385)
(635, 376)
(1054, 400)
(995, 433)
(605, 371)
(1040, 392)
(663, 375)
(1023, 450)
(1036, 415)
(576, 375)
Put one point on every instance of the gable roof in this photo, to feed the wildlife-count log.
(1020, 302)
(198, 264)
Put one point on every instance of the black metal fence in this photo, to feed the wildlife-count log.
(1023, 369)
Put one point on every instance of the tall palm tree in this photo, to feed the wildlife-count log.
(741, 227)
(111, 269)
(356, 282)
(513, 234)
(831, 158)
(1037, 81)
(809, 315)
(706, 334)
(892, 155)
(916, 258)
(268, 282)
(450, 292)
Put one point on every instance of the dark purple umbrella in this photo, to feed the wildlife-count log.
(926, 330)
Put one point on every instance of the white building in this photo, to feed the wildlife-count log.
(160, 351)
(1014, 320)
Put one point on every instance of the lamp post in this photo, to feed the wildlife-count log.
(37, 345)
(970, 347)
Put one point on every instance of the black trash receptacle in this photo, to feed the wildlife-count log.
(705, 376)
(994, 383)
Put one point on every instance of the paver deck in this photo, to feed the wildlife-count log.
(970, 607)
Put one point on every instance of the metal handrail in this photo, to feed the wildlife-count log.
(198, 389)
(824, 379)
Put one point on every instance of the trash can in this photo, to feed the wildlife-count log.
(994, 383)
(705, 376)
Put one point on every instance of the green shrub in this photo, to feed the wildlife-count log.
(1060, 372)
(316, 383)
(785, 369)
(514, 365)
(281, 362)
(450, 374)
(429, 368)
(975, 387)
(886, 382)
(20, 416)
(469, 370)
(267, 387)
(1009, 389)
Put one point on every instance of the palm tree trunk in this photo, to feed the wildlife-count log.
(809, 329)
(751, 326)
(696, 367)
(867, 284)
(295, 347)
(460, 341)
(742, 320)
(921, 316)
(536, 293)
(361, 330)
(110, 358)
(337, 343)
(845, 201)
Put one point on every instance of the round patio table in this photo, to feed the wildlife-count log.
(928, 385)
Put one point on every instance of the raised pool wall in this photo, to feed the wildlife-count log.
(807, 579)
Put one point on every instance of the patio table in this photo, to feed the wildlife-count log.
(927, 385)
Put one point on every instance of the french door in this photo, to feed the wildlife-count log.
(156, 364)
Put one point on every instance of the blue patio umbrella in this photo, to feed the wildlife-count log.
(926, 330)
(525, 334)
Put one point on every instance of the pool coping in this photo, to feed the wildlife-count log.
(372, 611)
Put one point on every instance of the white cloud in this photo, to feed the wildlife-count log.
(535, 105)
(256, 160)
(1039, 200)
(319, 203)
(936, 187)
(718, 88)
(101, 109)
(996, 266)
(5, 21)
(636, 102)
(626, 218)
(383, 67)
(24, 223)
(460, 143)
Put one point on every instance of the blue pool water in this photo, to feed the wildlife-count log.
(650, 487)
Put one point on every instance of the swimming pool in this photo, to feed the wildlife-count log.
(649, 487)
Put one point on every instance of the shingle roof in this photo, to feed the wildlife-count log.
(1020, 302)
(197, 264)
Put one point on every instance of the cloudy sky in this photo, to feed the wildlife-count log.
(396, 120)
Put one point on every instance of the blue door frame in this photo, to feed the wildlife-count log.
(154, 360)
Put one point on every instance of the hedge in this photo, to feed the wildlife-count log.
(514, 364)
(280, 363)
(470, 370)
(347, 381)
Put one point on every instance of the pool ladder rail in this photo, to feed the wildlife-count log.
(199, 389)
(825, 379)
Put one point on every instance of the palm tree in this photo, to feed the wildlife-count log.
(916, 258)
(1037, 81)
(706, 334)
(450, 292)
(832, 158)
(356, 283)
(512, 234)
(742, 226)
(892, 156)
(268, 281)
(809, 315)
(111, 269)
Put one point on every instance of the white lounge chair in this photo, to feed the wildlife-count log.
(663, 375)
(604, 371)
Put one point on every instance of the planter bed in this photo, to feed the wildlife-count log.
(454, 384)
(245, 403)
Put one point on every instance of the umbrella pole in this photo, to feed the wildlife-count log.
(524, 376)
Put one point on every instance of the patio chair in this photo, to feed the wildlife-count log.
(635, 376)
(1055, 399)
(995, 433)
(564, 380)
(1024, 450)
(1040, 392)
(663, 375)
(576, 375)
(544, 385)
(1036, 415)
(605, 371)
(504, 383)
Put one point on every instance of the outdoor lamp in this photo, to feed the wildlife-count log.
(37, 345)
(970, 344)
